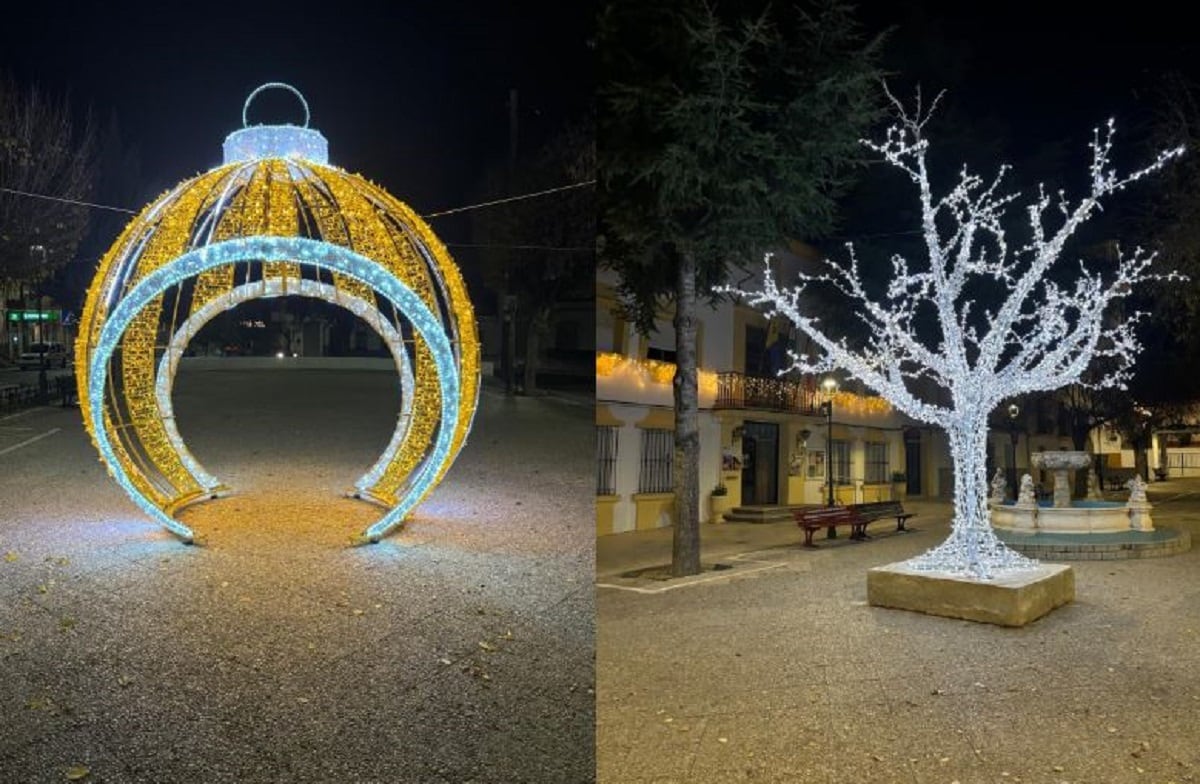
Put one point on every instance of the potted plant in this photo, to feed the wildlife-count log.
(721, 503)
(898, 484)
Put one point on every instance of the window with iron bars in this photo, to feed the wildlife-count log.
(658, 449)
(606, 460)
(840, 462)
(876, 468)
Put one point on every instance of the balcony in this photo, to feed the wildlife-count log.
(737, 390)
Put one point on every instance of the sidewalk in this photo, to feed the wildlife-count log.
(625, 552)
(778, 671)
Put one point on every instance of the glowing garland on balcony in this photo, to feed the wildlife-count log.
(648, 372)
(274, 220)
(645, 373)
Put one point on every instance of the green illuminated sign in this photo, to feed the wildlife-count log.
(33, 315)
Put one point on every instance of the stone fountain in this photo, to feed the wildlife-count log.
(1064, 516)
(1061, 463)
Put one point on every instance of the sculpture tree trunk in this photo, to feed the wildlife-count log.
(685, 545)
(972, 546)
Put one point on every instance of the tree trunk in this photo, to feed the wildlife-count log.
(1081, 441)
(685, 545)
(972, 547)
(537, 324)
(1141, 462)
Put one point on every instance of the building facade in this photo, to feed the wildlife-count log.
(767, 440)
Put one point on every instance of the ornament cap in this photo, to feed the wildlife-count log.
(257, 142)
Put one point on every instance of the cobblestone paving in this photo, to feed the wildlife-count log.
(459, 650)
(784, 674)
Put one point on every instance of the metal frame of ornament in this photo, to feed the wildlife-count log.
(325, 256)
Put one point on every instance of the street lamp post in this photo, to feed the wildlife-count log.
(43, 383)
(830, 387)
(1013, 412)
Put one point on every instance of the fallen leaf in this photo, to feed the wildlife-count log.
(722, 740)
(77, 772)
(487, 647)
(11, 556)
(66, 622)
(446, 662)
(42, 588)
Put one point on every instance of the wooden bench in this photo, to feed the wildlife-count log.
(881, 510)
(829, 517)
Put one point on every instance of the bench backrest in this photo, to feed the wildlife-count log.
(885, 507)
(825, 514)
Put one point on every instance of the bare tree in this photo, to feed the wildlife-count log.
(543, 254)
(980, 321)
(42, 151)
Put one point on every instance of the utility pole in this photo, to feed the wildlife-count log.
(508, 302)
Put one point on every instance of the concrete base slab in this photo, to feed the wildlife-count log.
(1009, 599)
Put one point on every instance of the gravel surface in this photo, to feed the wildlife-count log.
(780, 672)
(458, 650)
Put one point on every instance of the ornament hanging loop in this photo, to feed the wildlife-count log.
(268, 86)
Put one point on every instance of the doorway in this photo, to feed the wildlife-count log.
(912, 462)
(760, 463)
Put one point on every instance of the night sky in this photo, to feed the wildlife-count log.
(1045, 71)
(412, 95)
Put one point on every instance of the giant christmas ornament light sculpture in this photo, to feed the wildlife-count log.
(1040, 335)
(274, 220)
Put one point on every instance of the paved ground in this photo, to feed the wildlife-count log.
(460, 650)
(778, 671)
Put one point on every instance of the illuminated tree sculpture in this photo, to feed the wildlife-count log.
(941, 356)
(274, 220)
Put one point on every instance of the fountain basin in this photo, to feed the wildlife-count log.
(1081, 517)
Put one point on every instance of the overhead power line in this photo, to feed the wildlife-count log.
(523, 196)
(481, 205)
(67, 201)
(564, 249)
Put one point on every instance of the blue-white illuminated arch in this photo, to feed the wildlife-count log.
(267, 288)
(322, 255)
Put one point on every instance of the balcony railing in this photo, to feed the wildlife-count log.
(737, 390)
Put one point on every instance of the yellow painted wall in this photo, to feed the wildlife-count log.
(604, 514)
(657, 419)
(605, 418)
(653, 509)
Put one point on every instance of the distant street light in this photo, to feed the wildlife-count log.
(829, 387)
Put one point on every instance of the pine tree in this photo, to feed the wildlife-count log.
(722, 132)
